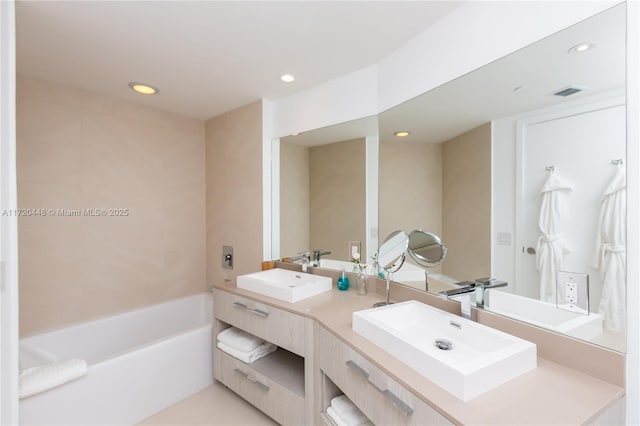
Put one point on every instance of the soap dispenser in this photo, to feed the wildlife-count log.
(343, 281)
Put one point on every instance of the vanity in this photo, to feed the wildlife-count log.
(320, 356)
(277, 384)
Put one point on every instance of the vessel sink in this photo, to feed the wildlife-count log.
(283, 284)
(544, 314)
(464, 357)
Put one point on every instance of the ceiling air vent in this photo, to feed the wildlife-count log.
(567, 91)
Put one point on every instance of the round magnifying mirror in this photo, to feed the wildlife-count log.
(392, 251)
(426, 248)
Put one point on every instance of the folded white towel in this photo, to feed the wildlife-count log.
(348, 412)
(44, 377)
(239, 339)
(249, 357)
(331, 412)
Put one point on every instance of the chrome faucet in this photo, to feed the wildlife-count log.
(484, 283)
(477, 287)
(316, 256)
(304, 258)
(465, 289)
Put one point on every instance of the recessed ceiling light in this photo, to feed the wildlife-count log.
(402, 134)
(295, 134)
(582, 47)
(143, 89)
(287, 78)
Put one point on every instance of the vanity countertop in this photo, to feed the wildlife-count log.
(550, 394)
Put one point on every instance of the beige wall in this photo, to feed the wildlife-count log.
(294, 199)
(78, 150)
(445, 189)
(410, 187)
(338, 197)
(466, 226)
(234, 190)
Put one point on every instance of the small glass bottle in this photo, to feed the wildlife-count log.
(343, 281)
(361, 283)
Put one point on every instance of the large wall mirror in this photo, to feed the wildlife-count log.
(325, 192)
(519, 168)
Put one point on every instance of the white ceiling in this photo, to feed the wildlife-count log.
(488, 93)
(540, 69)
(208, 57)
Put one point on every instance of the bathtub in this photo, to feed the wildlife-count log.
(139, 363)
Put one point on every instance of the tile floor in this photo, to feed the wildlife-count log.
(216, 406)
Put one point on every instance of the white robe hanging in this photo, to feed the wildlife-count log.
(551, 248)
(610, 254)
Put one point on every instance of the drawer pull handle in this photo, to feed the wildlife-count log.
(402, 406)
(393, 398)
(255, 382)
(355, 367)
(252, 310)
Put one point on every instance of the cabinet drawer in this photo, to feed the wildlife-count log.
(278, 402)
(383, 400)
(272, 324)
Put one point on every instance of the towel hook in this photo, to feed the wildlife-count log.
(550, 169)
(617, 162)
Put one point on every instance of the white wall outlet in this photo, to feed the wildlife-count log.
(354, 250)
(573, 291)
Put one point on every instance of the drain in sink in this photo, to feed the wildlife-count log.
(444, 344)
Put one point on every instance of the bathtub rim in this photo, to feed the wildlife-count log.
(132, 348)
(113, 314)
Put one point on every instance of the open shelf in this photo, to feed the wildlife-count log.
(283, 367)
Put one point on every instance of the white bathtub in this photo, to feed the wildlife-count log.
(544, 314)
(140, 362)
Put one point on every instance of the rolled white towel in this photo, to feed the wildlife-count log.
(249, 357)
(239, 339)
(348, 412)
(331, 412)
(44, 377)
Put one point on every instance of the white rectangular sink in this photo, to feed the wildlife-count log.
(282, 284)
(544, 314)
(480, 358)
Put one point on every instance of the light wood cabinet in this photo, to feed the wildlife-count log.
(285, 329)
(275, 384)
(383, 400)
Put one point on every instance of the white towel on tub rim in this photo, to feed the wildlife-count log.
(41, 378)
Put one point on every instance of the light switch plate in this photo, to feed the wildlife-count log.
(573, 291)
(354, 247)
(504, 238)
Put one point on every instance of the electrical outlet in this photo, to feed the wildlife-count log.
(573, 291)
(354, 249)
